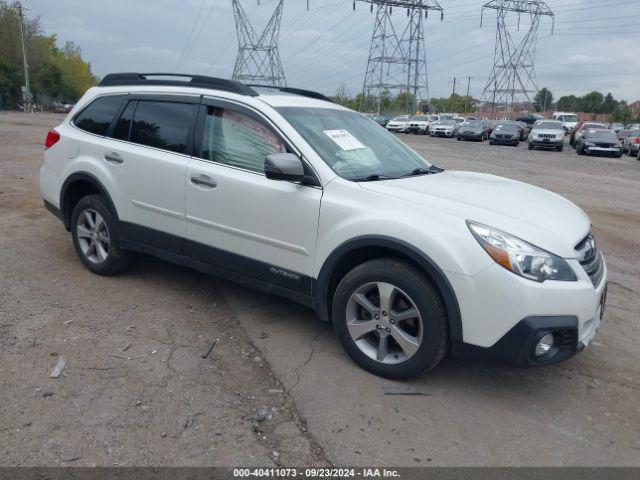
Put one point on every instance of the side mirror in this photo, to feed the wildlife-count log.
(284, 166)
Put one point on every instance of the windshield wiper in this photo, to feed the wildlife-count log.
(373, 178)
(424, 171)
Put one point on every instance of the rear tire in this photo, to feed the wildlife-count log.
(416, 316)
(96, 236)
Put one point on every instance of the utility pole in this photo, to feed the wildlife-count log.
(27, 86)
(466, 103)
(454, 86)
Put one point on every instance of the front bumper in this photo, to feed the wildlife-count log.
(443, 133)
(470, 136)
(505, 141)
(546, 142)
(396, 128)
(603, 150)
(504, 316)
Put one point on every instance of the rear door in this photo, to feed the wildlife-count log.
(148, 152)
(236, 217)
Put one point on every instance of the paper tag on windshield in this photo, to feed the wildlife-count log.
(344, 139)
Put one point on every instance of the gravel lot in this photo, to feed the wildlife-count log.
(173, 407)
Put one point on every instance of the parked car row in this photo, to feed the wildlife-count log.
(588, 138)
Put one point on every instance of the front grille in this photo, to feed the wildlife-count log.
(605, 145)
(547, 135)
(591, 259)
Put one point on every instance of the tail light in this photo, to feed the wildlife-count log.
(52, 138)
(637, 139)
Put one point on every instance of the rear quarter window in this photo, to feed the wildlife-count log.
(98, 115)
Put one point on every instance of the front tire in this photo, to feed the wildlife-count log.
(391, 319)
(96, 236)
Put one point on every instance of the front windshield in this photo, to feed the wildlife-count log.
(507, 126)
(445, 122)
(569, 118)
(473, 124)
(602, 134)
(421, 118)
(352, 146)
(403, 118)
(547, 126)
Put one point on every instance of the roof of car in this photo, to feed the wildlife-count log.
(178, 83)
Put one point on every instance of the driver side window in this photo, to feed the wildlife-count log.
(236, 139)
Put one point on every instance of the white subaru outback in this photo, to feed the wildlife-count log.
(284, 191)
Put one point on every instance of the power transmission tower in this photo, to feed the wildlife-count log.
(513, 79)
(397, 57)
(258, 60)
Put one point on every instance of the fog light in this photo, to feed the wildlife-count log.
(544, 345)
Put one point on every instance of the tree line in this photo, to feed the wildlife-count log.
(593, 103)
(55, 73)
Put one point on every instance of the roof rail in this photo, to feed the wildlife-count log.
(177, 79)
(295, 91)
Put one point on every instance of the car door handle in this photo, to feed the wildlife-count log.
(203, 181)
(113, 157)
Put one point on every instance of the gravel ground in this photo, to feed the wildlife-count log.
(135, 389)
(172, 407)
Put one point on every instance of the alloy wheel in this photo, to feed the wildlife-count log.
(93, 236)
(384, 322)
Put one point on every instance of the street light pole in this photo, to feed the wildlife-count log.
(27, 86)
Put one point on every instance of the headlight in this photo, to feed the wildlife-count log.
(521, 257)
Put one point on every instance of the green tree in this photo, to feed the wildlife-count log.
(53, 71)
(569, 103)
(622, 115)
(609, 104)
(592, 102)
(10, 81)
(543, 100)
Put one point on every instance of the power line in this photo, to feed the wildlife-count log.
(193, 28)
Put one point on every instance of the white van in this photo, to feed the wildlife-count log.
(569, 120)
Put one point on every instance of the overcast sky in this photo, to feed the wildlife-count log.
(595, 45)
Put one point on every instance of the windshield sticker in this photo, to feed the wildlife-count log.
(344, 139)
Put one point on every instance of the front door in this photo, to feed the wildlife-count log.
(236, 217)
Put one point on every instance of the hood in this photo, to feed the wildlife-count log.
(537, 131)
(533, 214)
(464, 128)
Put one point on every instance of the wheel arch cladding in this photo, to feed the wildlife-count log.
(79, 185)
(361, 249)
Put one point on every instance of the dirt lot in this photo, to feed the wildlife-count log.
(173, 407)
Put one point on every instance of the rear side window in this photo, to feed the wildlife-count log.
(97, 117)
(162, 125)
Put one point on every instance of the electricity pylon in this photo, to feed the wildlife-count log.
(513, 78)
(397, 57)
(258, 60)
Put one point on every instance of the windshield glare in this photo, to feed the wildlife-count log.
(403, 118)
(352, 146)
